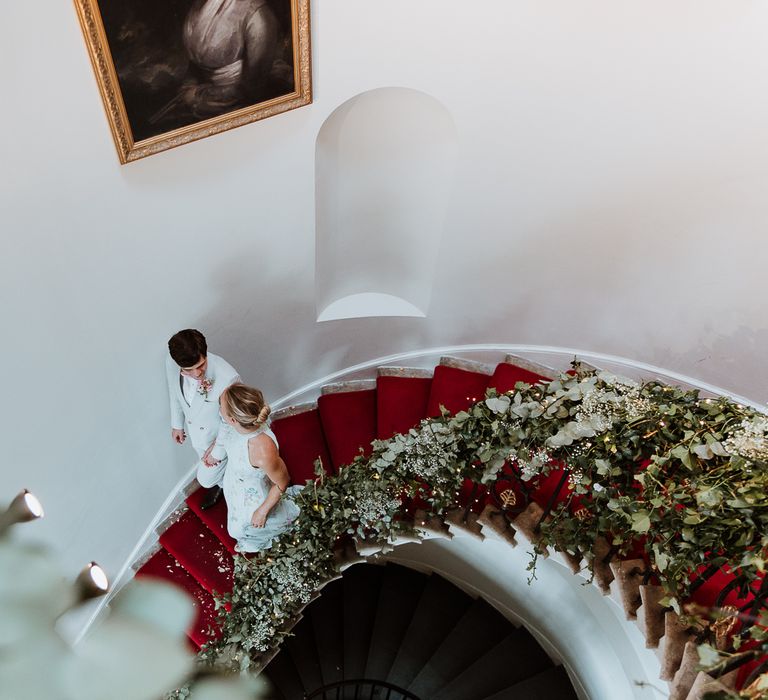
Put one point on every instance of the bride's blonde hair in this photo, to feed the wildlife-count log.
(246, 405)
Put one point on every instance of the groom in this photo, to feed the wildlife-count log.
(196, 379)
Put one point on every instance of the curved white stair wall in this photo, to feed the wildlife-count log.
(604, 654)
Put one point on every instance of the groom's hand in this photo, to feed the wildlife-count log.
(209, 461)
(178, 436)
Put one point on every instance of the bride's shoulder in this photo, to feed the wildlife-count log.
(262, 446)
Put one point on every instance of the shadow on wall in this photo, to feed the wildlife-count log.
(715, 351)
(636, 271)
(265, 325)
(384, 170)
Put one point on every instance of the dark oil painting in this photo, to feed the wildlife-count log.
(181, 62)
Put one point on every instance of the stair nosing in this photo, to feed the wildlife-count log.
(530, 365)
(348, 387)
(294, 410)
(406, 372)
(467, 365)
(174, 517)
(146, 556)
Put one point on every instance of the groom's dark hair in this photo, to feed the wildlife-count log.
(187, 347)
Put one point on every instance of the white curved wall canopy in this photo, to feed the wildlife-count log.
(368, 304)
(384, 166)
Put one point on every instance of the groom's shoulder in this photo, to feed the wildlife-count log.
(221, 368)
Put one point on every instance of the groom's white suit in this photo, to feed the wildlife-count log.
(200, 418)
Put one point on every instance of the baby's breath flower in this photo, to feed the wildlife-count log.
(750, 440)
(427, 457)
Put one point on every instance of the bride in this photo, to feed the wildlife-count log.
(256, 479)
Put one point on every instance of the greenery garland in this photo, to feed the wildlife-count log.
(649, 465)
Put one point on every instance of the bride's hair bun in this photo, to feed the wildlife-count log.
(246, 405)
(263, 414)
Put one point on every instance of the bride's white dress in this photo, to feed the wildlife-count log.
(246, 487)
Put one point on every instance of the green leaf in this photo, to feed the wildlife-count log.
(708, 655)
(641, 522)
(602, 466)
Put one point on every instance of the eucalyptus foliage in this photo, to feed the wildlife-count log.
(649, 466)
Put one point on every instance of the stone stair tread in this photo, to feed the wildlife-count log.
(686, 674)
(481, 624)
(348, 387)
(401, 589)
(514, 659)
(572, 561)
(326, 615)
(527, 521)
(550, 684)
(440, 607)
(361, 585)
(650, 615)
(676, 636)
(628, 576)
(284, 678)
(466, 364)
(601, 568)
(538, 369)
(303, 651)
(513, 370)
(492, 520)
(703, 684)
(460, 520)
(431, 524)
(407, 372)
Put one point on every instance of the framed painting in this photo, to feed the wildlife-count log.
(174, 71)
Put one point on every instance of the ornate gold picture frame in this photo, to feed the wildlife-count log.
(174, 71)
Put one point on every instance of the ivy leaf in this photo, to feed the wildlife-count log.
(661, 560)
(498, 405)
(709, 497)
(641, 522)
(708, 655)
(703, 452)
(602, 466)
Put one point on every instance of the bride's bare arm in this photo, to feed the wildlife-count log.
(262, 453)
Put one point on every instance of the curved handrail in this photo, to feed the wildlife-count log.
(427, 357)
(430, 357)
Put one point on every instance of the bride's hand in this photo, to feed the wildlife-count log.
(259, 517)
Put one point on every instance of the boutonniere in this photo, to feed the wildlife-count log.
(204, 387)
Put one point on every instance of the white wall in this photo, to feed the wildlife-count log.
(613, 157)
(604, 654)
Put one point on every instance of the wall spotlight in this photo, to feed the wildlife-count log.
(23, 508)
(91, 582)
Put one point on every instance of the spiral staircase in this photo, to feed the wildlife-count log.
(411, 631)
(360, 627)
